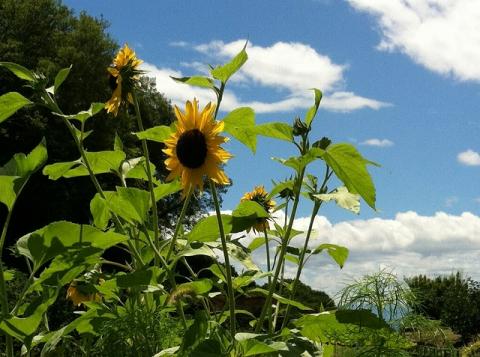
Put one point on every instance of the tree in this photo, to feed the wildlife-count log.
(45, 36)
(453, 299)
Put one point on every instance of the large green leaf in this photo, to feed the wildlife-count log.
(158, 133)
(338, 253)
(223, 73)
(240, 123)
(100, 211)
(351, 168)
(206, 230)
(194, 335)
(165, 189)
(20, 71)
(82, 116)
(16, 172)
(250, 209)
(195, 81)
(58, 237)
(10, 103)
(132, 204)
(23, 327)
(60, 78)
(275, 130)
(101, 162)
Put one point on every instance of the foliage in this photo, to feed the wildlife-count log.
(142, 306)
(46, 36)
(452, 299)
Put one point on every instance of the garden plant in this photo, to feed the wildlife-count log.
(143, 306)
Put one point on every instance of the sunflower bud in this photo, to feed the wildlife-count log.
(299, 127)
(323, 143)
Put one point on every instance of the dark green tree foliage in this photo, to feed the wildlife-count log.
(453, 299)
(45, 36)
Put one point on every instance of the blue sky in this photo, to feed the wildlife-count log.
(400, 80)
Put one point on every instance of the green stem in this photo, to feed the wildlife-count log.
(148, 170)
(316, 207)
(228, 268)
(277, 305)
(267, 249)
(3, 286)
(180, 222)
(283, 251)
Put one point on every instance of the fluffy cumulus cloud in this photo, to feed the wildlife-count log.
(378, 142)
(442, 35)
(287, 69)
(469, 158)
(409, 244)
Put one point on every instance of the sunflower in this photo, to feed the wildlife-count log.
(260, 196)
(78, 294)
(194, 150)
(123, 75)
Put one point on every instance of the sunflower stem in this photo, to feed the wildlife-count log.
(281, 257)
(52, 105)
(228, 268)
(149, 172)
(179, 222)
(316, 207)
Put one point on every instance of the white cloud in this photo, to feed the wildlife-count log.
(442, 35)
(289, 69)
(410, 243)
(469, 158)
(378, 142)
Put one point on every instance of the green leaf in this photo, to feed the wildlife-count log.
(101, 162)
(280, 187)
(10, 103)
(8, 190)
(298, 163)
(223, 73)
(55, 238)
(199, 287)
(195, 334)
(241, 255)
(158, 133)
(100, 211)
(313, 110)
(251, 210)
(282, 299)
(23, 327)
(338, 253)
(60, 78)
(256, 243)
(132, 204)
(82, 116)
(343, 198)
(275, 130)
(117, 143)
(240, 123)
(166, 189)
(16, 172)
(20, 71)
(252, 347)
(206, 230)
(195, 81)
(209, 348)
(351, 168)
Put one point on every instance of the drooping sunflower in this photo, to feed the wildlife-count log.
(124, 73)
(194, 149)
(260, 195)
(78, 293)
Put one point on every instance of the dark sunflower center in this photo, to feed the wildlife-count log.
(192, 149)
